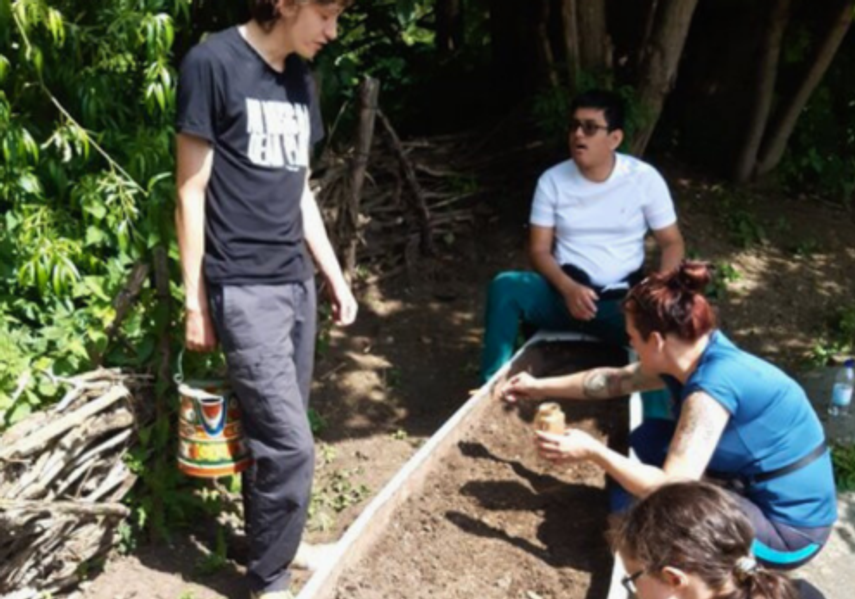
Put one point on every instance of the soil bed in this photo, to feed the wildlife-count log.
(494, 520)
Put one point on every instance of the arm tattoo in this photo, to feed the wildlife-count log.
(637, 380)
(601, 383)
(698, 427)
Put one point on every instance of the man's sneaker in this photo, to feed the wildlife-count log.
(313, 557)
(272, 595)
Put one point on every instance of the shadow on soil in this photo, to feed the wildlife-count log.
(186, 561)
(567, 512)
(846, 533)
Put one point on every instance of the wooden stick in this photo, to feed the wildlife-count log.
(33, 442)
(114, 478)
(75, 508)
(123, 303)
(418, 202)
(87, 461)
(164, 342)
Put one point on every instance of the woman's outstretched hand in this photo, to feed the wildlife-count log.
(573, 446)
(520, 386)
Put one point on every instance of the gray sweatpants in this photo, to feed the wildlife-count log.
(267, 333)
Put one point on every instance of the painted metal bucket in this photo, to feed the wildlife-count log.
(211, 441)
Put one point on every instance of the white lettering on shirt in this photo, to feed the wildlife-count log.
(279, 134)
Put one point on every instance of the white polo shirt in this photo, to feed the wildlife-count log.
(600, 227)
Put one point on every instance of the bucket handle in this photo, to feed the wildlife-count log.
(179, 367)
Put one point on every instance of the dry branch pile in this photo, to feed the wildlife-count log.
(387, 202)
(62, 480)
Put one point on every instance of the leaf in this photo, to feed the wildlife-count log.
(406, 11)
(29, 183)
(157, 179)
(4, 67)
(56, 26)
(19, 412)
(95, 236)
(96, 209)
(42, 276)
(38, 60)
(161, 97)
(30, 145)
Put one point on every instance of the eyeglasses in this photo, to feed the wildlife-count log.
(589, 128)
(628, 582)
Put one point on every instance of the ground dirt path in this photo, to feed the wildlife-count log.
(386, 384)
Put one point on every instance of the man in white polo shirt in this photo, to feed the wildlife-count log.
(588, 222)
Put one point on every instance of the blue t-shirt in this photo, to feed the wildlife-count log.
(772, 425)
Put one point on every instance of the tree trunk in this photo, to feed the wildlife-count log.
(778, 15)
(659, 61)
(779, 134)
(649, 22)
(594, 41)
(369, 91)
(547, 57)
(569, 16)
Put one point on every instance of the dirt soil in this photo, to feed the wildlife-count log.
(386, 384)
(494, 520)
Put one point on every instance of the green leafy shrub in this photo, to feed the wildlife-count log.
(843, 458)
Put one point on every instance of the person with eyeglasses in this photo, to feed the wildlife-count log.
(691, 540)
(589, 218)
(740, 420)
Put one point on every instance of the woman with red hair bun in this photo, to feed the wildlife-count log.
(739, 420)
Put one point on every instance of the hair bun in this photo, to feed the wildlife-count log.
(692, 276)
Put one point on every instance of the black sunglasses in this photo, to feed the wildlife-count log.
(589, 128)
(628, 582)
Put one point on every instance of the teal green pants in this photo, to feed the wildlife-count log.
(517, 296)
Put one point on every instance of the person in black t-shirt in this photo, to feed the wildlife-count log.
(248, 118)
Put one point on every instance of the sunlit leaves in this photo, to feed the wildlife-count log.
(47, 254)
(159, 87)
(78, 78)
(55, 25)
(18, 146)
(157, 34)
(69, 140)
(109, 203)
(33, 13)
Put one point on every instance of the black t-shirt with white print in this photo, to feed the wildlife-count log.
(262, 125)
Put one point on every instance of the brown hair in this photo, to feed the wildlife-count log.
(266, 12)
(672, 302)
(701, 530)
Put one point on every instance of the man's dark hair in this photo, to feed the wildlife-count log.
(609, 102)
(266, 12)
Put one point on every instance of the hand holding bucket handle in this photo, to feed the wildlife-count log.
(211, 440)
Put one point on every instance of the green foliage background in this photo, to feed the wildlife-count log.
(87, 101)
(87, 92)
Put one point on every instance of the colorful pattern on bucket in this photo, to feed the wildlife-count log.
(211, 440)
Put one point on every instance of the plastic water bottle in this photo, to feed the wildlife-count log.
(841, 394)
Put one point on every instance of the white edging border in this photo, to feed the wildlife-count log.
(332, 567)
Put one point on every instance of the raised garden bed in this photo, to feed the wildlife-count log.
(476, 514)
